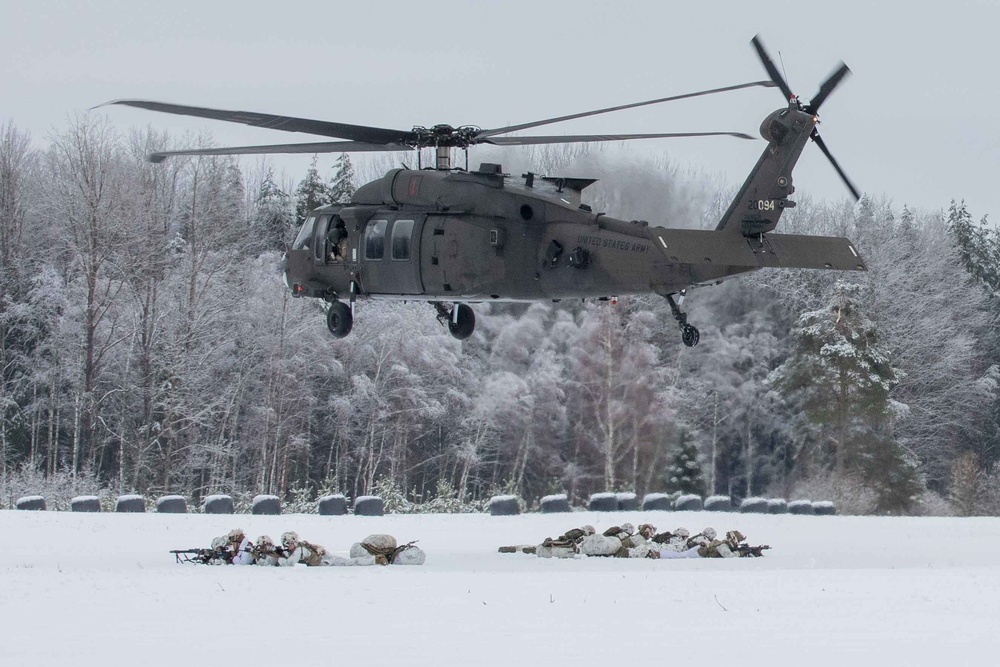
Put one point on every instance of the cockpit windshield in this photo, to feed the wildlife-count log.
(305, 237)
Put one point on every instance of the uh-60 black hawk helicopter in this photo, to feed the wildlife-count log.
(452, 236)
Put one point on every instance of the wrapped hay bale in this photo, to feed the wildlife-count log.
(33, 503)
(603, 502)
(824, 508)
(219, 504)
(85, 504)
(335, 505)
(754, 506)
(718, 504)
(777, 506)
(688, 502)
(171, 505)
(800, 507)
(553, 504)
(130, 503)
(369, 506)
(657, 501)
(504, 506)
(627, 502)
(265, 504)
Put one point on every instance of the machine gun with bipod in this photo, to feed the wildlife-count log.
(218, 556)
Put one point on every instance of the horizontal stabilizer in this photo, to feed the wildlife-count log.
(704, 248)
(799, 251)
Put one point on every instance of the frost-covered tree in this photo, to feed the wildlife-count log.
(840, 373)
(271, 215)
(18, 328)
(342, 186)
(978, 246)
(684, 473)
(615, 367)
(312, 192)
(88, 202)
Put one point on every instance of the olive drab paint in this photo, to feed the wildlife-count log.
(452, 236)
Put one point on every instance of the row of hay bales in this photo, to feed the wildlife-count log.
(338, 505)
(628, 502)
(217, 504)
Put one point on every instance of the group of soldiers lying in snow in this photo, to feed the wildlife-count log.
(626, 542)
(235, 548)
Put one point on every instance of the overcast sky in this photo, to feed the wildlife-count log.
(916, 122)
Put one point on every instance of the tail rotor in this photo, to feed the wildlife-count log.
(825, 89)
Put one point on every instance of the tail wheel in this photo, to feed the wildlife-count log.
(339, 319)
(462, 322)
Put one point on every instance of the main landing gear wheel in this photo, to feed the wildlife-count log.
(460, 318)
(462, 322)
(689, 334)
(339, 319)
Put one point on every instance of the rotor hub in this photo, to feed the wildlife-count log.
(443, 136)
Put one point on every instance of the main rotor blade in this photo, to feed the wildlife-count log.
(583, 138)
(828, 87)
(826, 151)
(322, 147)
(772, 71)
(323, 128)
(524, 126)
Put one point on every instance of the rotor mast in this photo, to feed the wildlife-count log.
(442, 159)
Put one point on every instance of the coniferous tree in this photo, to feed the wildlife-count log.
(978, 246)
(684, 474)
(841, 375)
(311, 193)
(272, 214)
(342, 186)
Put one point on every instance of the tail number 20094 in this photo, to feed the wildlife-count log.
(763, 205)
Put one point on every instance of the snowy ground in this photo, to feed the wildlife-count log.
(101, 589)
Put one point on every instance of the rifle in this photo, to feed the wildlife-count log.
(203, 556)
(745, 550)
(260, 552)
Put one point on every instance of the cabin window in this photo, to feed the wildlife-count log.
(320, 245)
(402, 230)
(304, 239)
(375, 239)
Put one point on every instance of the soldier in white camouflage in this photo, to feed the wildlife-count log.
(383, 549)
(641, 543)
(234, 548)
(564, 546)
(704, 545)
(265, 552)
(612, 542)
(313, 555)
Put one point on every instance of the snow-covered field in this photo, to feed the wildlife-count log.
(100, 589)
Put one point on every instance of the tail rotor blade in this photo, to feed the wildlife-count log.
(826, 151)
(828, 87)
(772, 71)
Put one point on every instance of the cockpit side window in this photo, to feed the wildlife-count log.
(305, 237)
(320, 247)
(375, 239)
(402, 230)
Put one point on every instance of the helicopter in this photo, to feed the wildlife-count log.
(451, 236)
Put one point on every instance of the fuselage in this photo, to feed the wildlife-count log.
(481, 236)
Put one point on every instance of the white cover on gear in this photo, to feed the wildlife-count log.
(243, 555)
(599, 545)
(410, 556)
(689, 553)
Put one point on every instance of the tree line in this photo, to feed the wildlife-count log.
(148, 344)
